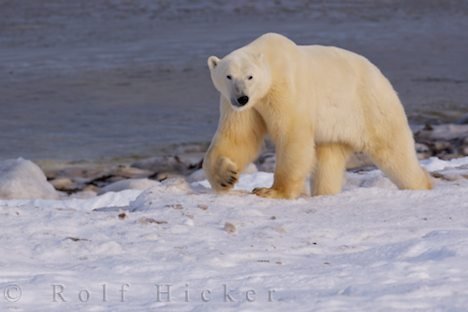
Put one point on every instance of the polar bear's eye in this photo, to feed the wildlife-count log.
(229, 77)
(250, 77)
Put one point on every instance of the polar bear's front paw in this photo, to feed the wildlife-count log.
(267, 192)
(227, 174)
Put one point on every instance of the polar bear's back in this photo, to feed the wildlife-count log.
(355, 95)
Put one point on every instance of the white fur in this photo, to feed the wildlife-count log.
(318, 104)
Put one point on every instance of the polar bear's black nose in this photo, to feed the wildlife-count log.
(242, 100)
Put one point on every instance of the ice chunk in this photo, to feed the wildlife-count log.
(22, 179)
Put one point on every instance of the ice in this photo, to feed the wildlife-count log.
(66, 57)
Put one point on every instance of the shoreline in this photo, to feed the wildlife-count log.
(445, 141)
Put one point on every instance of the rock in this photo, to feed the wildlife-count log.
(464, 151)
(130, 184)
(465, 141)
(64, 185)
(440, 146)
(183, 163)
(451, 174)
(202, 206)
(463, 120)
(230, 228)
(22, 179)
(443, 132)
(190, 148)
(103, 180)
(79, 172)
(147, 220)
(83, 195)
(161, 163)
(91, 188)
(129, 172)
(422, 151)
(192, 160)
(163, 176)
(175, 206)
(266, 162)
(422, 148)
(445, 141)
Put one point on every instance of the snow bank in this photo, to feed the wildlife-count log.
(22, 179)
(372, 247)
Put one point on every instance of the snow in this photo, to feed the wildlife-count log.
(20, 178)
(372, 247)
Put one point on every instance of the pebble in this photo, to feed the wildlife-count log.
(230, 228)
(465, 151)
(64, 184)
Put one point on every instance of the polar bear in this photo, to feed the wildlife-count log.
(318, 105)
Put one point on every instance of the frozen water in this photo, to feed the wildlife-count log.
(118, 78)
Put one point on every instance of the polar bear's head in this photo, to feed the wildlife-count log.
(241, 77)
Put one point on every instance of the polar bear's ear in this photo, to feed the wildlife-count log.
(213, 62)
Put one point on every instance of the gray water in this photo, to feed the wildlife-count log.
(89, 80)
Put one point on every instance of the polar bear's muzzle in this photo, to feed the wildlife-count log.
(240, 101)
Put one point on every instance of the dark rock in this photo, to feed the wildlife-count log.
(129, 172)
(266, 162)
(463, 120)
(161, 163)
(422, 151)
(65, 185)
(439, 146)
(464, 151)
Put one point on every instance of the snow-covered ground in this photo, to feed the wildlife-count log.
(179, 247)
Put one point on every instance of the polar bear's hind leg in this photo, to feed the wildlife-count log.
(400, 164)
